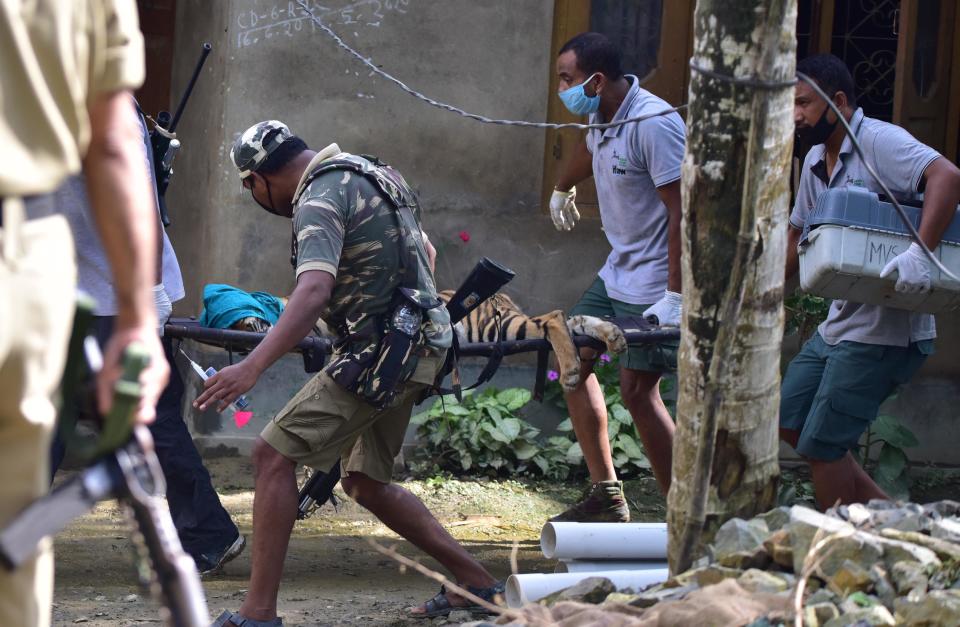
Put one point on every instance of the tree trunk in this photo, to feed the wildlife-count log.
(735, 198)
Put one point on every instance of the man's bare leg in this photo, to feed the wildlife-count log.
(274, 513)
(588, 413)
(641, 394)
(843, 480)
(406, 515)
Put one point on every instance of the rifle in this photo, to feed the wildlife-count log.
(318, 490)
(164, 142)
(132, 475)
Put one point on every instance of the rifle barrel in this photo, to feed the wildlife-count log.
(205, 50)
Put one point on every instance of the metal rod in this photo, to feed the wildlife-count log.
(228, 338)
(205, 50)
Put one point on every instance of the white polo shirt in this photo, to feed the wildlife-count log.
(629, 163)
(900, 160)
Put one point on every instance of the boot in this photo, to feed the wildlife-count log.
(602, 502)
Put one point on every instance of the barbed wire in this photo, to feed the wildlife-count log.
(473, 116)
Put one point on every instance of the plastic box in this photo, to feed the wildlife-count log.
(848, 239)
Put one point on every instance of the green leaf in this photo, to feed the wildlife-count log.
(494, 413)
(613, 428)
(565, 426)
(620, 460)
(511, 428)
(542, 464)
(420, 418)
(514, 398)
(619, 413)
(630, 447)
(466, 461)
(525, 450)
(574, 453)
(457, 410)
(891, 463)
(892, 431)
(496, 434)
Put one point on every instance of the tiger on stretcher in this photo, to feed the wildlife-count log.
(499, 317)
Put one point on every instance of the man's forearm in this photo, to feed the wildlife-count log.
(793, 256)
(670, 195)
(120, 199)
(940, 199)
(577, 168)
(298, 318)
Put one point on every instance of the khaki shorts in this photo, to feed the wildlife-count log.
(324, 422)
(37, 300)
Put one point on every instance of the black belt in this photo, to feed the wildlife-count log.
(35, 207)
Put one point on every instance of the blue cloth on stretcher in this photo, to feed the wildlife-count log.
(223, 305)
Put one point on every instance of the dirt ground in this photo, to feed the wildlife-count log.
(332, 576)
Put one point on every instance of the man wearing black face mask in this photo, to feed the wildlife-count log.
(834, 387)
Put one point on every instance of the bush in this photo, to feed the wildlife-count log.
(485, 434)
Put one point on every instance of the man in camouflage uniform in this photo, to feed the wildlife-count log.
(349, 241)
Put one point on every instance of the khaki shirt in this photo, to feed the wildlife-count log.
(55, 58)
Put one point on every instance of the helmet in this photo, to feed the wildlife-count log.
(256, 144)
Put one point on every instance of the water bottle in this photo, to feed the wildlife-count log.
(406, 319)
(238, 405)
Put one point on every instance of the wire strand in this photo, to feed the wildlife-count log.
(473, 116)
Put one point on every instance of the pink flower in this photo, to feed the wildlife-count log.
(553, 375)
(605, 358)
(464, 236)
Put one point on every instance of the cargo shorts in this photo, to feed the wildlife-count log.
(659, 357)
(324, 422)
(831, 394)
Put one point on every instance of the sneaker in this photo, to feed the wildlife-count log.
(212, 563)
(602, 502)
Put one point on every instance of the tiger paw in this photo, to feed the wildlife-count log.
(570, 378)
(614, 338)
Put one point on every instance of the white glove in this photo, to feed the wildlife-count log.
(666, 312)
(161, 301)
(913, 273)
(562, 210)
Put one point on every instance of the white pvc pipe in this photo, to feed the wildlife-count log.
(581, 566)
(591, 541)
(523, 589)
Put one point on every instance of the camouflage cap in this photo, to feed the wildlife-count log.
(256, 143)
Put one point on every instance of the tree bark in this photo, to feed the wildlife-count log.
(735, 201)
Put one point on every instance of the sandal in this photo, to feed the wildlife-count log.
(241, 621)
(440, 605)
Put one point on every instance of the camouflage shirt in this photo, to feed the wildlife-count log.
(345, 226)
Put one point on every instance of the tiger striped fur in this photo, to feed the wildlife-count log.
(480, 325)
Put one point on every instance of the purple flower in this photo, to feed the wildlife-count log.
(553, 375)
(605, 358)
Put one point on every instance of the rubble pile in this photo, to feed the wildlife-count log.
(883, 563)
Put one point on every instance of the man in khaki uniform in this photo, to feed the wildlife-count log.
(66, 71)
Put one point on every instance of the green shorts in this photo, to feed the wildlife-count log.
(831, 394)
(324, 422)
(596, 302)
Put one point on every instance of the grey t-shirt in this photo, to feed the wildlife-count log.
(93, 268)
(900, 160)
(629, 163)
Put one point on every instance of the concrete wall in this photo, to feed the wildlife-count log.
(481, 179)
(487, 57)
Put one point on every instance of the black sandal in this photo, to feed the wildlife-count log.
(440, 605)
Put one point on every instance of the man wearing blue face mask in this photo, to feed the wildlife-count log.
(636, 168)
